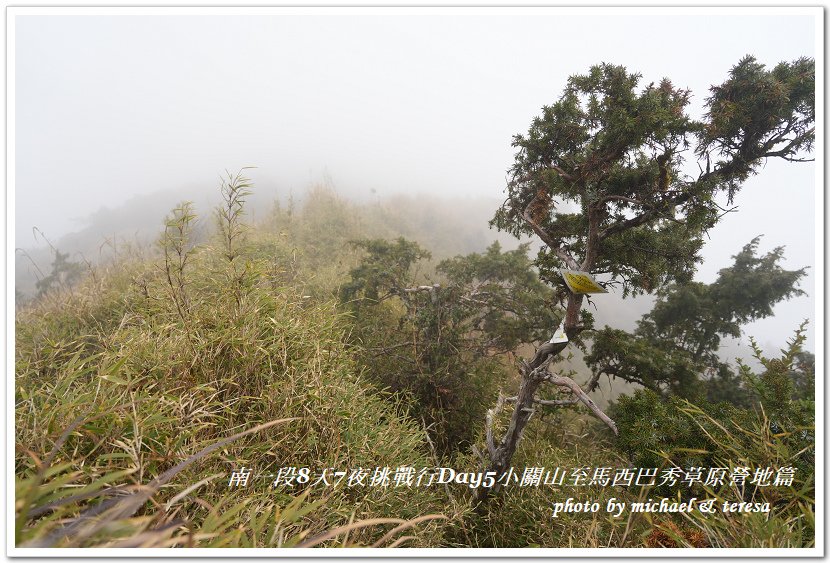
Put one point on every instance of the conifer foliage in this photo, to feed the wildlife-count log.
(603, 177)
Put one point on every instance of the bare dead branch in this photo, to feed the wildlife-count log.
(563, 381)
(432, 289)
(557, 403)
(421, 288)
(548, 403)
(491, 416)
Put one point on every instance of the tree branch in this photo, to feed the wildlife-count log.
(789, 147)
(433, 290)
(548, 403)
(569, 383)
(620, 198)
(621, 226)
(491, 416)
(553, 167)
(421, 288)
(553, 244)
(561, 172)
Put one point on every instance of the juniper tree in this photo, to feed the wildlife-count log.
(618, 179)
(675, 346)
(436, 342)
(64, 273)
(781, 422)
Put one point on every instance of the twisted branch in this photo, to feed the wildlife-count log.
(563, 381)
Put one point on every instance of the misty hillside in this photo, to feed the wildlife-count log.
(446, 226)
(211, 322)
(407, 277)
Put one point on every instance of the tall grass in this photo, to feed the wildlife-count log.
(159, 359)
(141, 389)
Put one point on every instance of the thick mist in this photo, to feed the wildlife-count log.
(117, 118)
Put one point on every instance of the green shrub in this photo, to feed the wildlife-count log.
(777, 433)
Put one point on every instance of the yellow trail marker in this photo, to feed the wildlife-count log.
(581, 282)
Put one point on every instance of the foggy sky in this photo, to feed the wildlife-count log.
(108, 107)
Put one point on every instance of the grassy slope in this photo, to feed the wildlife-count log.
(253, 340)
(156, 383)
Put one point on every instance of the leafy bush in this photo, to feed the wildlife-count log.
(439, 344)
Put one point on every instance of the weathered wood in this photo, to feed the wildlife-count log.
(533, 375)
